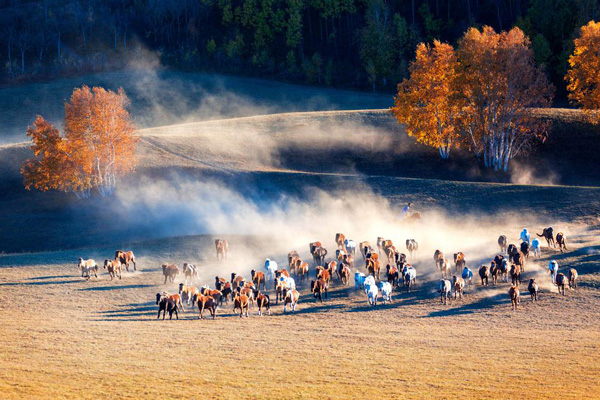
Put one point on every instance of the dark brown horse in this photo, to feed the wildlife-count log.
(484, 272)
(561, 282)
(533, 289)
(515, 297)
(170, 271)
(548, 234)
(318, 288)
(561, 241)
(503, 243)
(515, 274)
(572, 276)
(393, 275)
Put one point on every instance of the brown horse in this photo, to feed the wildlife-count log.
(176, 298)
(126, 257)
(533, 289)
(390, 252)
(165, 304)
(258, 278)
(318, 288)
(518, 258)
(242, 302)
(561, 240)
(319, 255)
(515, 274)
(373, 267)
(222, 248)
(326, 276)
(515, 297)
(364, 247)
(237, 281)
(494, 272)
(170, 271)
(214, 293)
(331, 267)
(459, 261)
(340, 240)
(561, 282)
(345, 274)
(503, 243)
(312, 247)
(303, 271)
(572, 276)
(444, 266)
(548, 234)
(393, 275)
(484, 273)
(458, 285)
(262, 301)
(205, 303)
(113, 267)
(187, 293)
(294, 265)
(292, 255)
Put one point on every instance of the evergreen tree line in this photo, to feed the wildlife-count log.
(347, 43)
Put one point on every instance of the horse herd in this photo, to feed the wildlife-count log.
(399, 273)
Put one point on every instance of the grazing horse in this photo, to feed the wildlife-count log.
(533, 289)
(515, 274)
(525, 247)
(409, 274)
(445, 288)
(302, 271)
(350, 246)
(572, 277)
(459, 261)
(242, 302)
(126, 257)
(412, 246)
(262, 301)
(484, 272)
(525, 237)
(393, 275)
(459, 286)
(561, 241)
(113, 267)
(88, 267)
(318, 288)
(444, 266)
(319, 255)
(364, 248)
(258, 278)
(373, 267)
(548, 234)
(536, 248)
(386, 291)
(205, 303)
(561, 282)
(222, 248)
(170, 271)
(467, 275)
(291, 297)
(515, 297)
(340, 240)
(187, 292)
(190, 272)
(503, 243)
(166, 304)
(271, 267)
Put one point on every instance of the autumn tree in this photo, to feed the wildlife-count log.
(427, 101)
(500, 83)
(97, 147)
(583, 79)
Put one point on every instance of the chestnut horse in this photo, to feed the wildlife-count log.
(258, 278)
(113, 267)
(170, 271)
(561, 241)
(515, 296)
(125, 257)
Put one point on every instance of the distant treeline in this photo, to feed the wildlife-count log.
(348, 43)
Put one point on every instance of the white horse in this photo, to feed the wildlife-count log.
(553, 269)
(445, 289)
(525, 236)
(369, 282)
(409, 274)
(386, 291)
(372, 295)
(350, 246)
(467, 275)
(536, 247)
(359, 280)
(271, 267)
(291, 283)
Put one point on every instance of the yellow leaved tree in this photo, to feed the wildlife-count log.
(583, 79)
(427, 102)
(98, 145)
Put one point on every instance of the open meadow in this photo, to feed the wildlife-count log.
(274, 183)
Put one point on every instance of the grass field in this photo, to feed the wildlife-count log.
(271, 184)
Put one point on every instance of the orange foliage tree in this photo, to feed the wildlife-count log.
(583, 79)
(427, 102)
(500, 83)
(98, 145)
